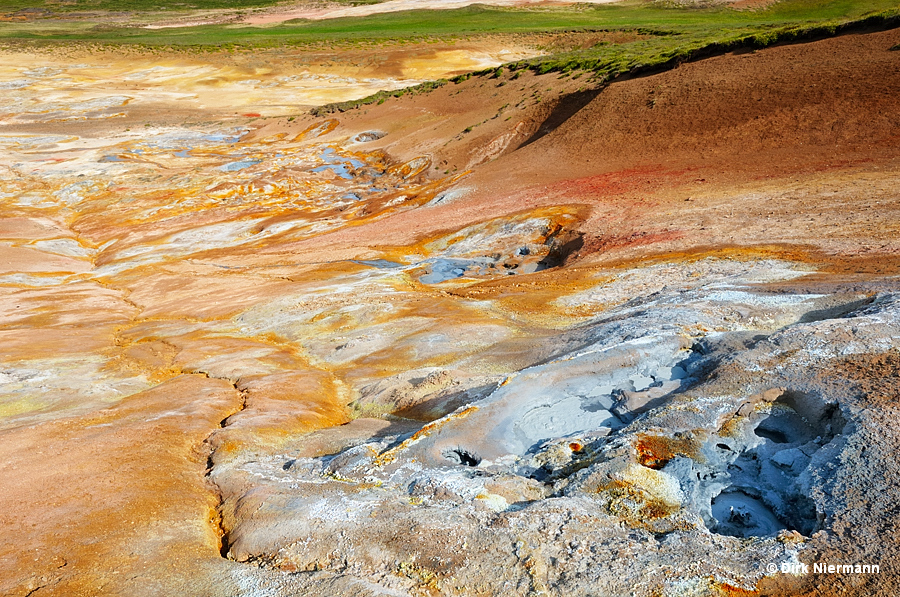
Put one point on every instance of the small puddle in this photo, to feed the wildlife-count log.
(338, 164)
(235, 166)
(442, 270)
(223, 138)
(379, 263)
(339, 169)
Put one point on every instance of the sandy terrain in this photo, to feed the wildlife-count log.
(97, 83)
(514, 336)
(282, 13)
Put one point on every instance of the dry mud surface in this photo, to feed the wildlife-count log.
(513, 337)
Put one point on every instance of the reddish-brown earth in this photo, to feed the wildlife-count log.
(752, 148)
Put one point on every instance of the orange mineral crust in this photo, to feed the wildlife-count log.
(93, 500)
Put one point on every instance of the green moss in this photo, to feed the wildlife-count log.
(608, 61)
(378, 98)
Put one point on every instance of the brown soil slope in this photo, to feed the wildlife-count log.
(795, 146)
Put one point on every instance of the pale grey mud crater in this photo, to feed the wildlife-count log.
(701, 427)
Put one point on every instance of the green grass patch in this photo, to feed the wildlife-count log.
(379, 97)
(671, 36)
(68, 6)
(668, 34)
(649, 18)
(609, 60)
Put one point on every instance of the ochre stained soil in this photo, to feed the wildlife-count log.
(86, 506)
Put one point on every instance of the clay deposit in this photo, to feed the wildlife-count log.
(641, 339)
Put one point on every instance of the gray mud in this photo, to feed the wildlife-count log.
(700, 427)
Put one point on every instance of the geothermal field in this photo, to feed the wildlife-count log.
(420, 299)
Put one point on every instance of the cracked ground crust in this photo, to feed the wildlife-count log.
(112, 502)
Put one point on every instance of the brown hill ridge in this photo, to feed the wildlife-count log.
(770, 147)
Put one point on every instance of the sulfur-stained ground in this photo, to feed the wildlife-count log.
(486, 340)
